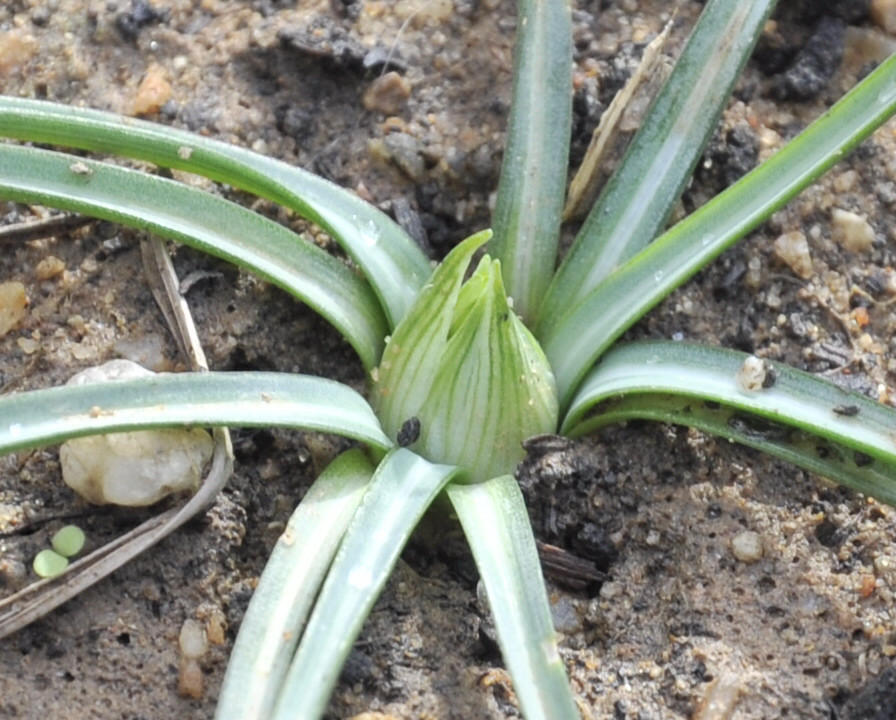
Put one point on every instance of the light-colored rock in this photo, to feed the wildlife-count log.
(153, 92)
(387, 94)
(48, 268)
(747, 546)
(190, 680)
(420, 12)
(193, 642)
(565, 615)
(28, 345)
(136, 468)
(792, 249)
(16, 49)
(13, 302)
(753, 374)
(883, 13)
(402, 151)
(853, 232)
(215, 623)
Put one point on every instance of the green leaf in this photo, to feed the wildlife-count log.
(576, 339)
(206, 222)
(393, 264)
(810, 422)
(658, 164)
(533, 175)
(244, 399)
(401, 489)
(273, 624)
(496, 524)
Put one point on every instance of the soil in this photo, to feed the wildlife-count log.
(680, 628)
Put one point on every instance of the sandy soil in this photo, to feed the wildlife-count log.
(807, 631)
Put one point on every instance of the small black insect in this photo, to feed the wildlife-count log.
(770, 376)
(847, 410)
(409, 432)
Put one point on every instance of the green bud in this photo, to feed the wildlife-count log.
(466, 367)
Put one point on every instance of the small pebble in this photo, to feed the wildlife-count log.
(419, 12)
(752, 374)
(16, 49)
(747, 546)
(868, 45)
(153, 92)
(133, 468)
(216, 626)
(565, 617)
(851, 231)
(28, 345)
(387, 94)
(48, 268)
(12, 573)
(610, 590)
(792, 249)
(145, 349)
(80, 168)
(12, 305)
(405, 154)
(190, 681)
(883, 14)
(193, 642)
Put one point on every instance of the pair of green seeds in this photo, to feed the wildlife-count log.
(67, 542)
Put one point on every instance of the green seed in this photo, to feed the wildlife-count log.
(49, 563)
(68, 541)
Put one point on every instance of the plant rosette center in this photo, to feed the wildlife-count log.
(462, 380)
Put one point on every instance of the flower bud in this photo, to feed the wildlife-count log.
(466, 372)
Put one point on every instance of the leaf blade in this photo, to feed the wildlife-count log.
(660, 159)
(391, 261)
(273, 623)
(531, 189)
(402, 487)
(497, 527)
(837, 433)
(246, 399)
(575, 340)
(206, 222)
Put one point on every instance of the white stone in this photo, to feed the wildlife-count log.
(747, 546)
(13, 302)
(793, 250)
(136, 468)
(193, 642)
(883, 14)
(851, 231)
(752, 374)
